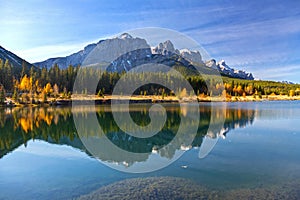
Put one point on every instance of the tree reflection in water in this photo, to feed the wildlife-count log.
(55, 125)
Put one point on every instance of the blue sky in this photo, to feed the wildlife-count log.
(260, 36)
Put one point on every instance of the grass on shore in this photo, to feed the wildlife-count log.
(158, 98)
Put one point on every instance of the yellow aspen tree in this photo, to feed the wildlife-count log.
(48, 89)
(25, 83)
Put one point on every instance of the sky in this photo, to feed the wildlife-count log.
(259, 36)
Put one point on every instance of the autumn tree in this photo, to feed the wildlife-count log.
(219, 88)
(25, 84)
(48, 89)
(249, 89)
(55, 90)
(228, 87)
(292, 93)
(183, 93)
(238, 91)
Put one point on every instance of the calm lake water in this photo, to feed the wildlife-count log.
(257, 149)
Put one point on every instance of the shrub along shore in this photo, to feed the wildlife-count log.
(107, 99)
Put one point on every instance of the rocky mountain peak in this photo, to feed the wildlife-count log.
(192, 56)
(211, 63)
(222, 65)
(226, 70)
(125, 36)
(165, 48)
(111, 49)
(124, 52)
(222, 62)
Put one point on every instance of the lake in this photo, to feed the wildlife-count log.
(239, 150)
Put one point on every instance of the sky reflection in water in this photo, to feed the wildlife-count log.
(42, 157)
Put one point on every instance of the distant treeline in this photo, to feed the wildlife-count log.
(37, 81)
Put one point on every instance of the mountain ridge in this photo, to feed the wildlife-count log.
(15, 60)
(122, 52)
(109, 50)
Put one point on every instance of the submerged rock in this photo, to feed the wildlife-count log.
(181, 188)
(151, 188)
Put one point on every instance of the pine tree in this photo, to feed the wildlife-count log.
(2, 95)
(15, 95)
(23, 72)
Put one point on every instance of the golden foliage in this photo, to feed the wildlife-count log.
(183, 93)
(30, 120)
(292, 93)
(26, 124)
(25, 83)
(48, 89)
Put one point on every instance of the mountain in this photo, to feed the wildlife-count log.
(124, 52)
(13, 59)
(228, 71)
(287, 82)
(119, 52)
(104, 51)
(167, 48)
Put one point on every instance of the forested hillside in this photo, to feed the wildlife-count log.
(28, 85)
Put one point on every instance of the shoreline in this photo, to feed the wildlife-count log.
(94, 99)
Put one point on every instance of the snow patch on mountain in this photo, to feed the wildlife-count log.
(166, 48)
(111, 49)
(192, 56)
(225, 69)
(211, 63)
(124, 52)
(125, 36)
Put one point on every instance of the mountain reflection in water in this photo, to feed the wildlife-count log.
(55, 125)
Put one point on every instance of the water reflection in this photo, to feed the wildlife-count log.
(19, 125)
(55, 125)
